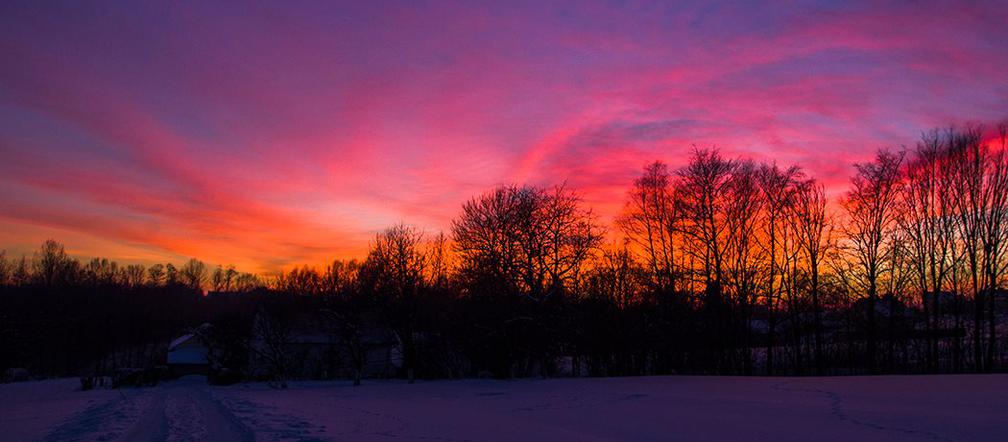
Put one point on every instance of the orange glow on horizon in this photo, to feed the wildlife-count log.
(286, 135)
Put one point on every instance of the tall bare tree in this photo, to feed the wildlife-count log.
(524, 248)
(53, 266)
(703, 192)
(133, 275)
(394, 274)
(872, 209)
(813, 230)
(217, 279)
(156, 275)
(777, 187)
(533, 240)
(743, 255)
(440, 261)
(193, 274)
(617, 277)
(650, 219)
(995, 231)
(929, 224)
(5, 269)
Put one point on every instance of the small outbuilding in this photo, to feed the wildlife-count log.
(187, 354)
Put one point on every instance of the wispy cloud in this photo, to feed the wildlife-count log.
(290, 134)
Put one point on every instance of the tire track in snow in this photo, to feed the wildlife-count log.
(180, 411)
(837, 410)
(106, 421)
(269, 424)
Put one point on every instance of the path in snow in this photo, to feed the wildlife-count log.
(178, 411)
(183, 411)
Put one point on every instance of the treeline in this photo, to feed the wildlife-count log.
(61, 317)
(725, 266)
(51, 267)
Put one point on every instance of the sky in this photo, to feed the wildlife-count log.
(270, 134)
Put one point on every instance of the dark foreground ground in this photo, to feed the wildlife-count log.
(681, 408)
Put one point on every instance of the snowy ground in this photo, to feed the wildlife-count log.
(888, 408)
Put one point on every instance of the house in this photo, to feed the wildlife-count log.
(188, 354)
(305, 346)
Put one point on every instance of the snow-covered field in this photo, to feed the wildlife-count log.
(682, 408)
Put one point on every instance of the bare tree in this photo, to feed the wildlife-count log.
(742, 252)
(345, 311)
(247, 282)
(171, 275)
(813, 230)
(271, 338)
(52, 265)
(230, 274)
(439, 261)
(929, 224)
(649, 220)
(6, 268)
(22, 274)
(133, 275)
(302, 280)
(218, 279)
(871, 207)
(703, 191)
(777, 187)
(156, 275)
(995, 231)
(193, 274)
(101, 271)
(617, 277)
(533, 241)
(342, 276)
(524, 248)
(394, 273)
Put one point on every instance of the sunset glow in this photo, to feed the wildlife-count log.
(268, 136)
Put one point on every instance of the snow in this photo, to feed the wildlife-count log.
(185, 410)
(885, 408)
(37, 409)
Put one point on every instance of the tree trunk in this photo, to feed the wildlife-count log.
(817, 323)
(871, 335)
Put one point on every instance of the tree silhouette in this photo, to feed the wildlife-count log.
(717, 266)
(651, 220)
(872, 209)
(777, 188)
(193, 274)
(393, 274)
(813, 229)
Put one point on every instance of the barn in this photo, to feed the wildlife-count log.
(187, 354)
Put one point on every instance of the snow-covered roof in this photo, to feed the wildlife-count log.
(179, 341)
(182, 339)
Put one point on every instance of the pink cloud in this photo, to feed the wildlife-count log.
(278, 136)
